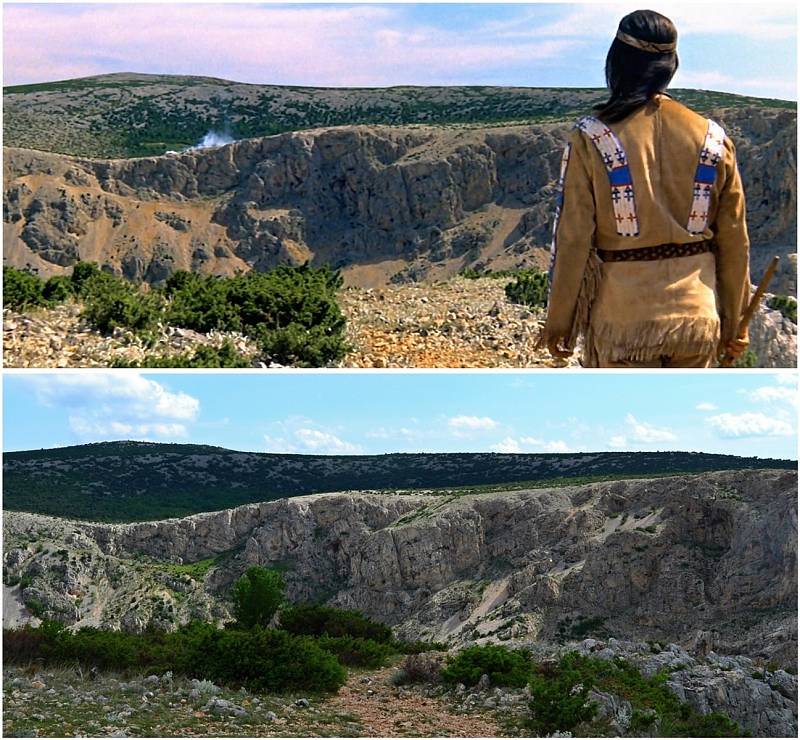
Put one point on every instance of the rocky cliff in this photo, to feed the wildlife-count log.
(383, 203)
(707, 561)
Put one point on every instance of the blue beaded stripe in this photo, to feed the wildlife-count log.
(620, 179)
(705, 173)
(620, 176)
(705, 176)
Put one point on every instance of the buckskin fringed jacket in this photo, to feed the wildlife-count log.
(662, 176)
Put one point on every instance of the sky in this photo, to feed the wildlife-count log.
(747, 48)
(741, 413)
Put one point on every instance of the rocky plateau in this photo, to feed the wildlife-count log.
(383, 203)
(697, 573)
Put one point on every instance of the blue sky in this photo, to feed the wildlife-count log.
(744, 413)
(738, 47)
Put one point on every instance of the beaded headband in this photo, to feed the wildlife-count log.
(645, 45)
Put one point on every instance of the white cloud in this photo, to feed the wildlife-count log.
(472, 423)
(618, 442)
(326, 443)
(118, 405)
(509, 445)
(705, 406)
(765, 21)
(93, 428)
(135, 395)
(384, 433)
(524, 444)
(313, 45)
(720, 81)
(379, 433)
(303, 436)
(750, 424)
(643, 433)
(774, 394)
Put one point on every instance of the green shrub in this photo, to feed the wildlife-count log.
(747, 359)
(226, 355)
(36, 607)
(260, 659)
(558, 703)
(201, 303)
(58, 289)
(786, 305)
(293, 313)
(503, 666)
(82, 272)
(419, 646)
(576, 628)
(557, 706)
(356, 651)
(104, 649)
(317, 620)
(111, 302)
(257, 595)
(530, 288)
(21, 289)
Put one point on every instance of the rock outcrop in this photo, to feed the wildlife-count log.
(383, 203)
(706, 560)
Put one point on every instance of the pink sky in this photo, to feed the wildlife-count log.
(748, 48)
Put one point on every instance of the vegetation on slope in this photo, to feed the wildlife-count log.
(141, 115)
(560, 693)
(134, 481)
(312, 657)
(307, 652)
(291, 312)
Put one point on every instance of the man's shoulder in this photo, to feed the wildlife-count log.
(684, 114)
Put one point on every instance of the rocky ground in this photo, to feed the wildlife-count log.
(70, 703)
(58, 337)
(456, 323)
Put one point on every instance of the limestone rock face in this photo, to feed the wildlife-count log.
(383, 203)
(761, 700)
(708, 561)
(773, 337)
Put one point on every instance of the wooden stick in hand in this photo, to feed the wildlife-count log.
(747, 316)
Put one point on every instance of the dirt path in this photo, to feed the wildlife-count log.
(386, 711)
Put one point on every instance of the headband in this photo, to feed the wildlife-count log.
(645, 45)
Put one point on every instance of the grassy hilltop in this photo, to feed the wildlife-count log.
(132, 115)
(130, 481)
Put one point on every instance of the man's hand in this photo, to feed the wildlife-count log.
(736, 348)
(556, 351)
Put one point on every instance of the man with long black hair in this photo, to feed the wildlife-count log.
(650, 249)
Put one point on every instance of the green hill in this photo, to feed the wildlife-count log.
(130, 115)
(131, 481)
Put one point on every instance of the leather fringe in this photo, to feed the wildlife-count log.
(581, 321)
(644, 340)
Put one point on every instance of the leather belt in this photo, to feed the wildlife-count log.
(659, 252)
